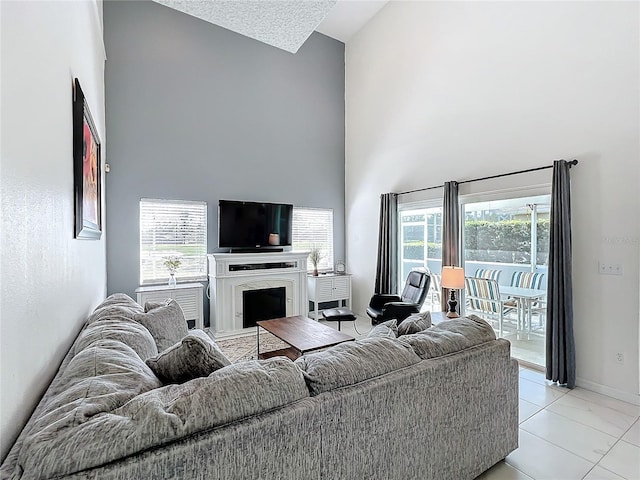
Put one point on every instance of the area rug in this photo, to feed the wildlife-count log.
(244, 348)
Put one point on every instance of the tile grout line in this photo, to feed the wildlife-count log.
(562, 448)
(605, 406)
(582, 423)
(618, 439)
(517, 470)
(612, 446)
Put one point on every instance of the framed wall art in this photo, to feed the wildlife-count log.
(87, 178)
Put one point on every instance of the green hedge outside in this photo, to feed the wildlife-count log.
(506, 241)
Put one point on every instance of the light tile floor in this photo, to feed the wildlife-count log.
(571, 434)
(527, 347)
(565, 434)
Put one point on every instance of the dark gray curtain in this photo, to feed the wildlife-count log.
(561, 362)
(387, 267)
(450, 233)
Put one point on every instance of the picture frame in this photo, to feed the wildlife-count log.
(87, 173)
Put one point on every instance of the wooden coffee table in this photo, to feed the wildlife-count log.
(301, 333)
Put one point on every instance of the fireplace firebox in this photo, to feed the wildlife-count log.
(263, 304)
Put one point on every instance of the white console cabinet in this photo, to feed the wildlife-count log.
(188, 295)
(329, 288)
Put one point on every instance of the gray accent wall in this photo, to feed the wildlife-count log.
(197, 112)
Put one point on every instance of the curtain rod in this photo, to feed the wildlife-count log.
(571, 163)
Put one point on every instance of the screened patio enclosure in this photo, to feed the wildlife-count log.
(509, 236)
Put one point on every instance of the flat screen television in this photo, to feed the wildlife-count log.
(251, 225)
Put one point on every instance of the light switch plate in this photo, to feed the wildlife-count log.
(609, 268)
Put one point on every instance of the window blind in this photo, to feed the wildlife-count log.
(313, 227)
(172, 228)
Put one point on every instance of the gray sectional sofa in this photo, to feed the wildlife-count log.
(439, 404)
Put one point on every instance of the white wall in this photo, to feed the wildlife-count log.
(50, 281)
(439, 91)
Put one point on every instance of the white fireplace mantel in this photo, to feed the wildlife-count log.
(230, 274)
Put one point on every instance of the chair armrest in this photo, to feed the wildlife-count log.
(399, 310)
(379, 300)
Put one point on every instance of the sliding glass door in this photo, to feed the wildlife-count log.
(420, 232)
(507, 242)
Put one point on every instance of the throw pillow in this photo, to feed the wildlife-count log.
(197, 355)
(388, 329)
(166, 324)
(150, 305)
(414, 323)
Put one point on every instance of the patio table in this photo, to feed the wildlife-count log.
(524, 299)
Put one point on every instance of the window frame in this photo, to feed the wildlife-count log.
(408, 206)
(327, 263)
(200, 230)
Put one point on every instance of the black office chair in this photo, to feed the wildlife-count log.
(383, 307)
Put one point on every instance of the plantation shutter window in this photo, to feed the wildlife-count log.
(313, 227)
(172, 228)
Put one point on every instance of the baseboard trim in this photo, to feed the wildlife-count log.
(593, 386)
(608, 391)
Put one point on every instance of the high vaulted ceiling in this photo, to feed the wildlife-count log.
(285, 24)
(348, 16)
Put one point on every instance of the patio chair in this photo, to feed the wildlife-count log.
(483, 297)
(529, 280)
(488, 273)
(435, 290)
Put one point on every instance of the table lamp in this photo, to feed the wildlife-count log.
(453, 279)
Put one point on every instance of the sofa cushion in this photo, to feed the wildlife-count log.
(166, 324)
(166, 414)
(119, 328)
(353, 362)
(117, 304)
(388, 329)
(449, 336)
(119, 299)
(100, 378)
(414, 323)
(196, 355)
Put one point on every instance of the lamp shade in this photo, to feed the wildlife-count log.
(453, 277)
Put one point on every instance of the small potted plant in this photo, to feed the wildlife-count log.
(173, 264)
(315, 255)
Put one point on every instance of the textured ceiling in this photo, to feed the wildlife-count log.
(285, 24)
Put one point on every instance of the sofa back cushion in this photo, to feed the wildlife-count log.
(120, 328)
(100, 378)
(117, 304)
(164, 415)
(449, 336)
(353, 362)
